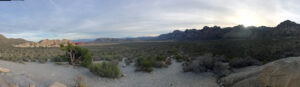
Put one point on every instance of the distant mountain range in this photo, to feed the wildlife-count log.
(121, 40)
(284, 30)
(83, 40)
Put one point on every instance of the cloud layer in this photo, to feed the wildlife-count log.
(82, 19)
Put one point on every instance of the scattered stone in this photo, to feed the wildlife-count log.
(5, 70)
(123, 75)
(57, 84)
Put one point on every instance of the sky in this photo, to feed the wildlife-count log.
(87, 19)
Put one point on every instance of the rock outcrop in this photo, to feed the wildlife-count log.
(280, 73)
(283, 73)
(45, 43)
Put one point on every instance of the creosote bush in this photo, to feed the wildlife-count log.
(147, 63)
(162, 61)
(179, 57)
(43, 60)
(144, 64)
(105, 69)
(207, 63)
(59, 58)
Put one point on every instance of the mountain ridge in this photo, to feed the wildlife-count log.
(284, 30)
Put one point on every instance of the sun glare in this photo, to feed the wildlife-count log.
(247, 21)
(247, 18)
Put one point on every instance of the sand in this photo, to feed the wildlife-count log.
(43, 75)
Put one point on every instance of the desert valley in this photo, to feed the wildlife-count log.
(208, 57)
(149, 43)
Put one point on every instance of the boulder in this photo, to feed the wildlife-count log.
(57, 84)
(247, 77)
(280, 73)
(5, 70)
(284, 73)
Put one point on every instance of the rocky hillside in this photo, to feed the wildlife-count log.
(45, 43)
(284, 30)
(8, 42)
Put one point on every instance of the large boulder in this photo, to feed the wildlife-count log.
(280, 73)
(246, 77)
(283, 73)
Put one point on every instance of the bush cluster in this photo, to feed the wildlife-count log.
(105, 69)
(60, 58)
(179, 57)
(43, 60)
(145, 64)
(207, 63)
(243, 62)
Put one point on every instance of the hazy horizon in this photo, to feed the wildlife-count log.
(88, 19)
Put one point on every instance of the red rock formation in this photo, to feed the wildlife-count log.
(45, 43)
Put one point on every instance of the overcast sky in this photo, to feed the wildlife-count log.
(83, 19)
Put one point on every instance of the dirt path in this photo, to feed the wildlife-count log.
(42, 75)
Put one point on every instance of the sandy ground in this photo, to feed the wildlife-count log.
(43, 75)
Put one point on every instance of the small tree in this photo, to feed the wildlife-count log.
(77, 55)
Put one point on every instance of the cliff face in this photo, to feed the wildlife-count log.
(45, 43)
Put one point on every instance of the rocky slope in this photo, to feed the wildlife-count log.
(8, 42)
(45, 43)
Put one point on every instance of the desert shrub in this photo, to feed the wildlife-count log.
(58, 63)
(243, 62)
(86, 57)
(105, 69)
(179, 57)
(59, 58)
(79, 82)
(206, 63)
(43, 60)
(161, 61)
(21, 62)
(160, 58)
(144, 64)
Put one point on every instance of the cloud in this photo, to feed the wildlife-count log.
(79, 19)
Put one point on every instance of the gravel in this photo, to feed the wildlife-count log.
(43, 75)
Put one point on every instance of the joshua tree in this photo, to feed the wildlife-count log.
(77, 55)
